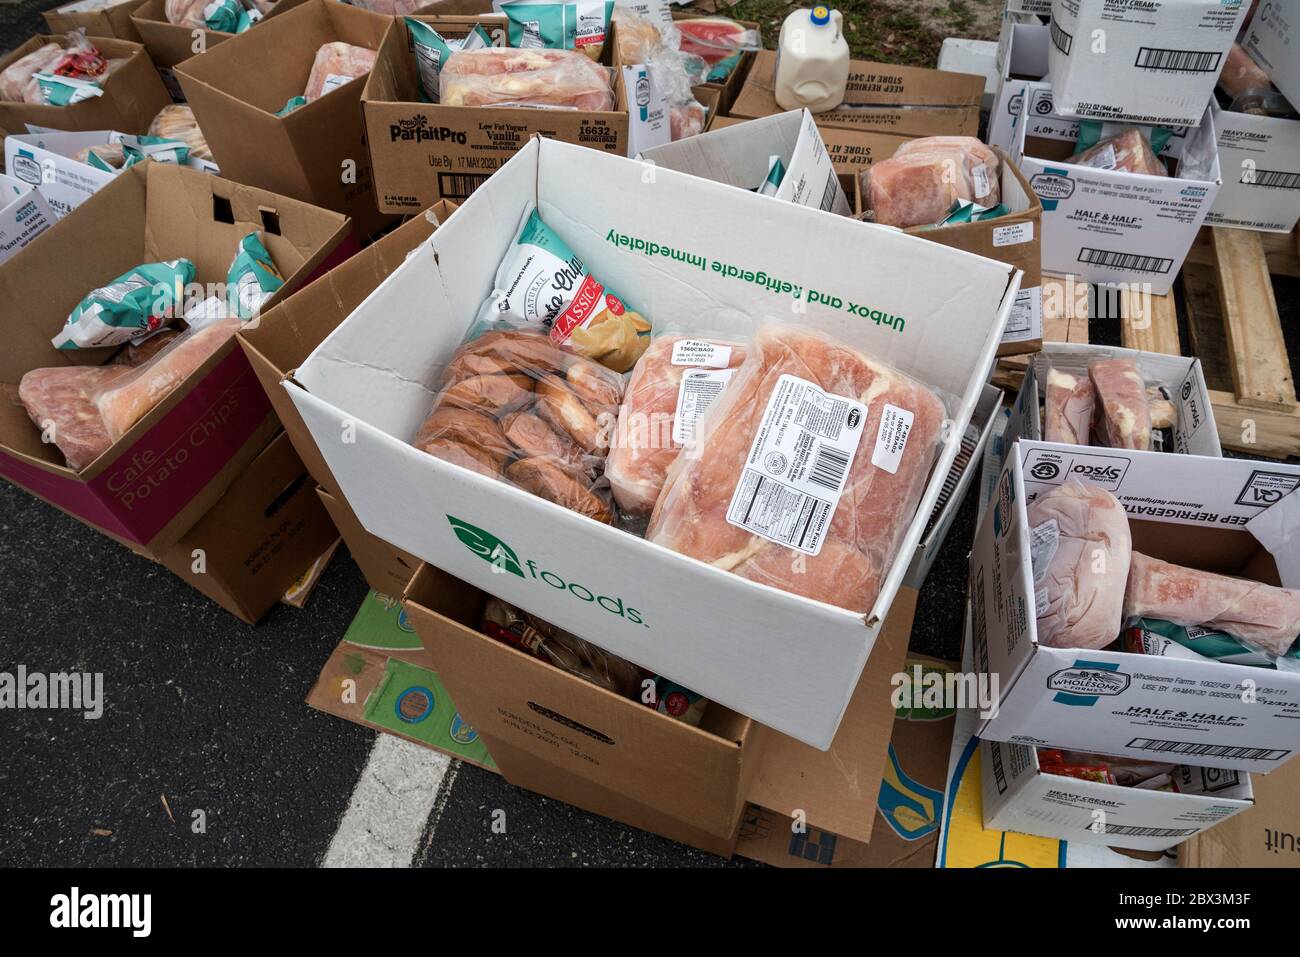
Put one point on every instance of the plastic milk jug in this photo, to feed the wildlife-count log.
(812, 60)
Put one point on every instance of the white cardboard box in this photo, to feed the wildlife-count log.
(1140, 62)
(1273, 39)
(24, 215)
(1022, 57)
(45, 160)
(1110, 226)
(1231, 516)
(1019, 796)
(739, 156)
(787, 661)
(1259, 157)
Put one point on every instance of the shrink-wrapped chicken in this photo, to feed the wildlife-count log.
(818, 506)
(337, 64)
(1128, 150)
(918, 185)
(1263, 616)
(1068, 408)
(186, 13)
(176, 122)
(500, 76)
(61, 401)
(1241, 74)
(1122, 413)
(1080, 550)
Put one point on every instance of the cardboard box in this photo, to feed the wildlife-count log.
(564, 737)
(374, 369)
(424, 152)
(132, 96)
(1022, 57)
(1260, 161)
(387, 569)
(886, 97)
(740, 155)
(263, 533)
(176, 462)
(1266, 835)
(317, 153)
(1019, 796)
(1271, 39)
(1219, 515)
(99, 18)
(1015, 238)
(851, 151)
(1110, 226)
(24, 215)
(1142, 62)
(45, 160)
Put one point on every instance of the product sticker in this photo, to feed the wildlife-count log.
(895, 426)
(1043, 542)
(1013, 234)
(334, 81)
(702, 353)
(1026, 319)
(980, 179)
(1103, 160)
(1040, 603)
(699, 389)
(798, 465)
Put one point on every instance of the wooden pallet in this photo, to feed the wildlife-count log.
(1065, 319)
(1234, 329)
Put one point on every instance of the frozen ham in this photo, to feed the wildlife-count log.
(877, 502)
(1080, 550)
(336, 64)
(1122, 414)
(918, 185)
(1241, 74)
(61, 401)
(1068, 413)
(1128, 150)
(1264, 616)
(185, 13)
(502, 76)
(644, 445)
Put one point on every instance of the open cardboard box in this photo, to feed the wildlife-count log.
(940, 313)
(175, 463)
(386, 569)
(24, 214)
(98, 19)
(1265, 835)
(317, 153)
(423, 152)
(1229, 516)
(851, 151)
(132, 95)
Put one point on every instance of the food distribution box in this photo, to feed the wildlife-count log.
(24, 215)
(1113, 226)
(46, 160)
(132, 95)
(886, 97)
(386, 569)
(317, 153)
(99, 18)
(423, 152)
(560, 735)
(851, 151)
(259, 538)
(1260, 161)
(1266, 835)
(173, 465)
(1015, 238)
(1271, 39)
(1228, 516)
(1019, 795)
(741, 156)
(933, 312)
(1140, 62)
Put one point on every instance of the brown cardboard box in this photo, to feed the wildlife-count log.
(177, 461)
(1266, 835)
(279, 339)
(888, 98)
(111, 21)
(317, 153)
(851, 151)
(566, 738)
(423, 152)
(263, 533)
(387, 569)
(132, 97)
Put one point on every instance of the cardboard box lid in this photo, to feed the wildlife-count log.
(107, 20)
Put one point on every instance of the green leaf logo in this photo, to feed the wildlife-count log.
(487, 547)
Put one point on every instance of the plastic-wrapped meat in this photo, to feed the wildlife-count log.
(1241, 74)
(686, 119)
(336, 64)
(644, 447)
(1127, 150)
(1080, 548)
(1122, 414)
(18, 81)
(876, 504)
(501, 76)
(63, 399)
(186, 13)
(713, 39)
(176, 122)
(1264, 616)
(1068, 413)
(918, 185)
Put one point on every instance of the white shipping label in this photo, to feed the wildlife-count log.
(1044, 539)
(699, 389)
(334, 81)
(701, 352)
(1040, 602)
(980, 179)
(1025, 322)
(1103, 160)
(798, 465)
(1013, 234)
(891, 439)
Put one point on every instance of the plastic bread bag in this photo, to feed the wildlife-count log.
(537, 24)
(1127, 150)
(513, 406)
(103, 156)
(133, 304)
(76, 58)
(716, 39)
(431, 51)
(541, 284)
(1164, 639)
(501, 76)
(252, 277)
(640, 42)
(176, 122)
(337, 64)
(817, 507)
(921, 182)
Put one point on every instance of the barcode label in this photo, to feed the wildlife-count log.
(828, 194)
(460, 185)
(1133, 262)
(1178, 61)
(999, 772)
(1208, 750)
(1129, 830)
(1060, 39)
(829, 468)
(699, 389)
(1269, 177)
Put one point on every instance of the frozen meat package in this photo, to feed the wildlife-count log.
(805, 474)
(501, 76)
(336, 64)
(919, 184)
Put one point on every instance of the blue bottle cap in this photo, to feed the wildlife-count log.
(821, 15)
